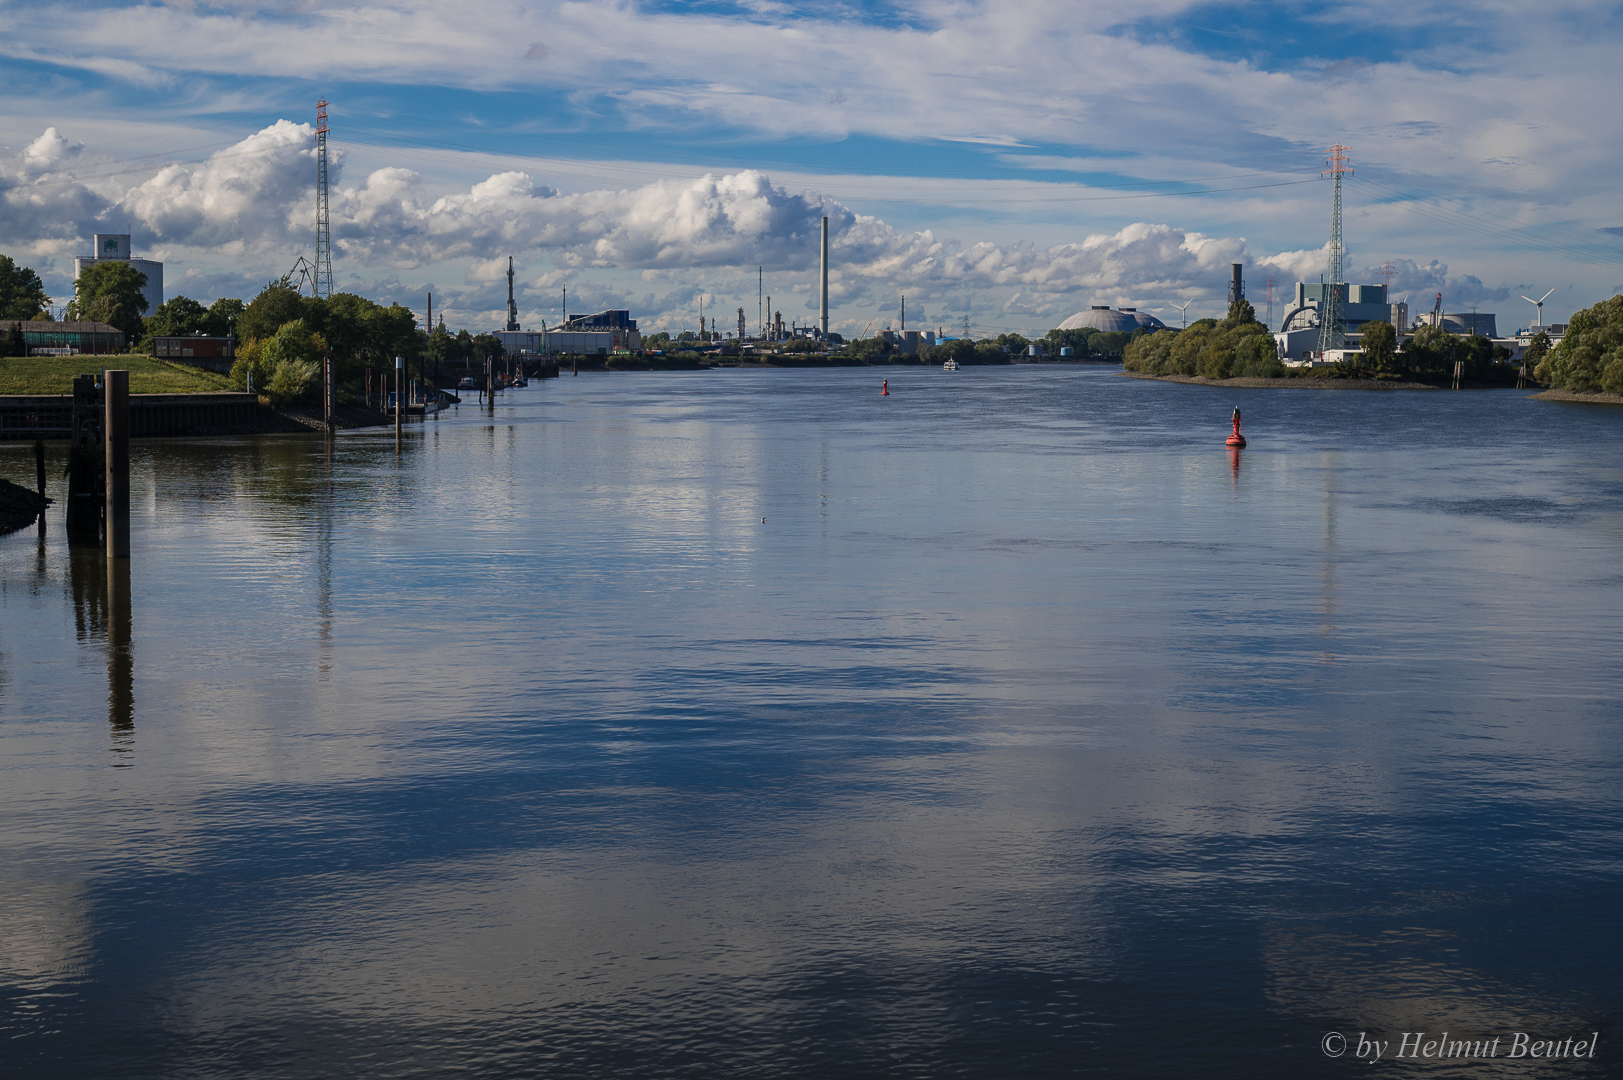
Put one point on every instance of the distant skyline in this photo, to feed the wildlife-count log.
(1008, 163)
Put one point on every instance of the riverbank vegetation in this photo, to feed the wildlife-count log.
(1589, 357)
(1240, 347)
(1237, 347)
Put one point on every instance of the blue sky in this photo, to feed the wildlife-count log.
(1007, 163)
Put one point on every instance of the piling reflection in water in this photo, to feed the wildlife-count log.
(102, 616)
(87, 580)
(120, 657)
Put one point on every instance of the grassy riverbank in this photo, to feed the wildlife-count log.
(54, 374)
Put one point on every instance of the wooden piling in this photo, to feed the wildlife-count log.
(116, 439)
(329, 393)
(399, 375)
(85, 464)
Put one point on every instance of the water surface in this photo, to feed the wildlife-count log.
(736, 723)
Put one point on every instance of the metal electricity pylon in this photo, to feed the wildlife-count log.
(323, 282)
(1330, 306)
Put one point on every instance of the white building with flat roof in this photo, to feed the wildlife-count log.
(117, 246)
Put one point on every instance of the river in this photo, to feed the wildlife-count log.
(749, 723)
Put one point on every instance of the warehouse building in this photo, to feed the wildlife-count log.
(71, 338)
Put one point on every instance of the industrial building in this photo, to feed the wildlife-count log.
(71, 338)
(1357, 305)
(591, 335)
(1122, 321)
(1472, 322)
(110, 246)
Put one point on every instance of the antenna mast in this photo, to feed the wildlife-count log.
(323, 282)
(1330, 306)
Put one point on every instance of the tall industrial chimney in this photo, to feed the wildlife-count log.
(825, 278)
(1237, 286)
(512, 308)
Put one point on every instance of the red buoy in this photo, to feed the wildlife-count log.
(884, 390)
(1236, 439)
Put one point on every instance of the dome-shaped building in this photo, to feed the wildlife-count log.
(1102, 318)
(1146, 320)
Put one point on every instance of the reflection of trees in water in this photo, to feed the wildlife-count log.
(273, 475)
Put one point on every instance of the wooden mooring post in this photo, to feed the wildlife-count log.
(85, 464)
(399, 378)
(490, 386)
(329, 393)
(1459, 370)
(39, 480)
(116, 439)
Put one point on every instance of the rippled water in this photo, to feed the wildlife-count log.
(739, 723)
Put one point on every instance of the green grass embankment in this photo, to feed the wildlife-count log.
(54, 374)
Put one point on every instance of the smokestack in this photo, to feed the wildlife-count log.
(1237, 286)
(512, 308)
(825, 277)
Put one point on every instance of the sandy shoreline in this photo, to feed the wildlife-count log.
(1587, 399)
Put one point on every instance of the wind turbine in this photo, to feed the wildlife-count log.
(1539, 303)
(1182, 310)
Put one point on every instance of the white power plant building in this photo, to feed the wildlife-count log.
(111, 246)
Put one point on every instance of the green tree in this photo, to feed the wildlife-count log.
(22, 294)
(1589, 357)
(1429, 353)
(15, 344)
(1380, 345)
(486, 345)
(176, 316)
(1536, 351)
(1238, 346)
(1078, 341)
(277, 304)
(288, 364)
(1151, 354)
(109, 292)
(223, 316)
(869, 348)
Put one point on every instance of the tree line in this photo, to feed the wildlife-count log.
(1240, 346)
(1589, 357)
(1236, 346)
